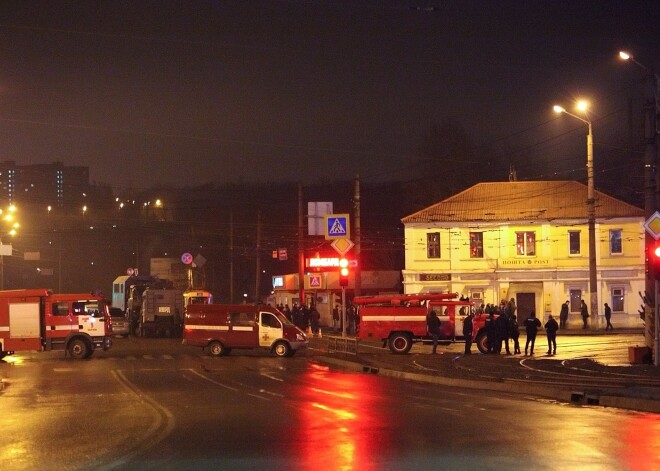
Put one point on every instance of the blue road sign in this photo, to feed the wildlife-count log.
(337, 226)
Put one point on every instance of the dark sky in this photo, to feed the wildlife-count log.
(186, 92)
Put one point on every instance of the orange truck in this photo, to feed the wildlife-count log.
(37, 319)
(400, 320)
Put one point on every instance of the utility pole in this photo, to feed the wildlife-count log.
(258, 264)
(357, 236)
(301, 248)
(231, 257)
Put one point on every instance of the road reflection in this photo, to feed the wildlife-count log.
(342, 420)
(641, 434)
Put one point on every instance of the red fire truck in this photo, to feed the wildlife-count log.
(400, 320)
(37, 319)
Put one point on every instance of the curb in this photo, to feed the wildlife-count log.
(563, 395)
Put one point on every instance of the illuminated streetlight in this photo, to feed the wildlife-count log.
(591, 206)
(12, 226)
(651, 188)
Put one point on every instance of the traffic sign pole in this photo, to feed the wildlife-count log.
(343, 307)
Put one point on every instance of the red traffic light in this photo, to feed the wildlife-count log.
(656, 251)
(343, 272)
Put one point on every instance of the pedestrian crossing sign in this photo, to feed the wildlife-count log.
(337, 226)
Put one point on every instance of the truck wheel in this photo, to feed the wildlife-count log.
(216, 349)
(282, 349)
(482, 342)
(400, 343)
(79, 349)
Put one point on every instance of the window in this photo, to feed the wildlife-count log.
(574, 242)
(476, 245)
(617, 299)
(575, 299)
(60, 309)
(242, 318)
(615, 241)
(433, 245)
(269, 320)
(526, 243)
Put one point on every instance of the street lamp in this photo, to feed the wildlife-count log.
(591, 205)
(12, 226)
(651, 198)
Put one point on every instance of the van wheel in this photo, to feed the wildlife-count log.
(79, 349)
(482, 342)
(400, 343)
(282, 349)
(216, 349)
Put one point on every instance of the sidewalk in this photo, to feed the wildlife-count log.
(583, 381)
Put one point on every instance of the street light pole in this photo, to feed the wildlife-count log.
(591, 210)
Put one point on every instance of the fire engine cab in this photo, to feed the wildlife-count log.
(37, 319)
(400, 320)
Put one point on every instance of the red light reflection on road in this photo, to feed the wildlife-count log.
(642, 438)
(341, 422)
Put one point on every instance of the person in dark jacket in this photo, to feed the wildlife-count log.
(532, 325)
(491, 332)
(563, 315)
(514, 333)
(502, 324)
(551, 328)
(433, 326)
(584, 312)
(608, 317)
(468, 329)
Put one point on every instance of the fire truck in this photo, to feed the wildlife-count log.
(400, 320)
(37, 319)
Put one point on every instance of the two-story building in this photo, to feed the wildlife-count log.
(529, 241)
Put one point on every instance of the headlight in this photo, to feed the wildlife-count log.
(300, 337)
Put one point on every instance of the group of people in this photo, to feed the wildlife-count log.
(584, 314)
(302, 316)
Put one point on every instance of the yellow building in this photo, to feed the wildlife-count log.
(529, 241)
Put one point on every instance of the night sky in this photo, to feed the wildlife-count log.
(187, 92)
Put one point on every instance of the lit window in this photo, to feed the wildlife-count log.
(433, 245)
(526, 243)
(476, 244)
(574, 242)
(615, 241)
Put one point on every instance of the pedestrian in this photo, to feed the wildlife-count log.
(563, 315)
(335, 318)
(532, 325)
(468, 329)
(608, 316)
(314, 320)
(584, 312)
(551, 328)
(491, 332)
(433, 327)
(502, 324)
(514, 333)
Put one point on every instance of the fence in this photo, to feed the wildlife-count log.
(343, 345)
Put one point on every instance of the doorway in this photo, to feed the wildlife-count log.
(526, 303)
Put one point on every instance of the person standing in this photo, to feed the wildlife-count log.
(532, 325)
(584, 312)
(335, 318)
(314, 320)
(468, 329)
(563, 315)
(608, 317)
(491, 332)
(514, 333)
(502, 324)
(551, 328)
(433, 326)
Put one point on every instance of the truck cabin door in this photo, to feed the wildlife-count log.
(270, 329)
(61, 320)
(446, 315)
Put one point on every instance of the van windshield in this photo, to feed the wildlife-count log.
(281, 317)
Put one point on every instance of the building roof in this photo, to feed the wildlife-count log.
(523, 201)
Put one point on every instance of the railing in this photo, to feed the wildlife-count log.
(343, 345)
